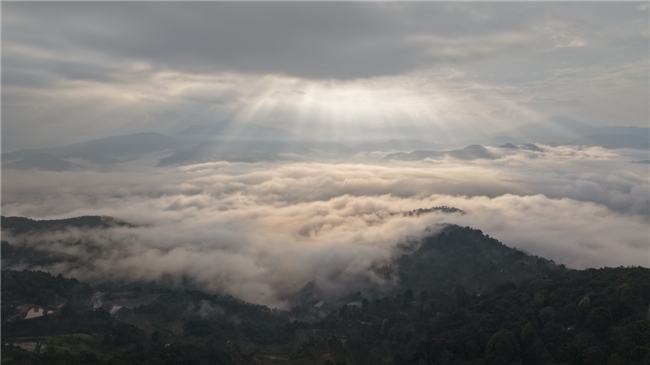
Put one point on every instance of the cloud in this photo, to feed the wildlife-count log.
(262, 231)
(435, 71)
(78, 71)
(311, 40)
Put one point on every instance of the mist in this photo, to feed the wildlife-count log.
(261, 231)
(255, 148)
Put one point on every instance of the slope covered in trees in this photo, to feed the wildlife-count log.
(465, 256)
(19, 225)
(462, 298)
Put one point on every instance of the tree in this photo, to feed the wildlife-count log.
(532, 348)
(408, 295)
(502, 348)
(584, 304)
(424, 295)
(461, 296)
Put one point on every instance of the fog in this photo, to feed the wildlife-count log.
(258, 147)
(261, 231)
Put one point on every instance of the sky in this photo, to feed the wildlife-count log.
(260, 231)
(75, 71)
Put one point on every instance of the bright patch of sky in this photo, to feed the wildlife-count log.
(75, 71)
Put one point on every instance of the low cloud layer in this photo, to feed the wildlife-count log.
(262, 231)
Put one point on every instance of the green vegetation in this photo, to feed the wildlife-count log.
(19, 225)
(466, 257)
(41, 289)
(21, 254)
(541, 321)
(463, 298)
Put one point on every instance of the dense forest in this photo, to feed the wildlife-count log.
(462, 298)
(18, 225)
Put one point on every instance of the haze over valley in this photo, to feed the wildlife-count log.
(187, 163)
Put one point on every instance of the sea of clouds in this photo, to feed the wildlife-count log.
(261, 231)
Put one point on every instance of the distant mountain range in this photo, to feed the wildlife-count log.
(567, 131)
(387, 146)
(638, 141)
(41, 161)
(107, 150)
(469, 153)
(236, 150)
(250, 142)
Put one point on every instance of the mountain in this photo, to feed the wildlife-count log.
(465, 256)
(497, 140)
(567, 131)
(247, 142)
(531, 147)
(555, 129)
(442, 260)
(389, 145)
(574, 317)
(225, 141)
(235, 151)
(19, 225)
(639, 141)
(14, 227)
(571, 317)
(250, 142)
(453, 256)
(509, 146)
(106, 150)
(469, 153)
(460, 297)
(414, 156)
(41, 161)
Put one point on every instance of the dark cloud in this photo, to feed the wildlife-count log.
(313, 40)
(116, 68)
(317, 40)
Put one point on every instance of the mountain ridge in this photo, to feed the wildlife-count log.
(438, 314)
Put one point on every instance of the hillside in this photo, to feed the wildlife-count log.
(455, 256)
(465, 256)
(460, 297)
(575, 317)
(40, 161)
(19, 225)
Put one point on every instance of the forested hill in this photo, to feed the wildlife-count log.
(461, 298)
(465, 256)
(449, 257)
(575, 317)
(19, 225)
